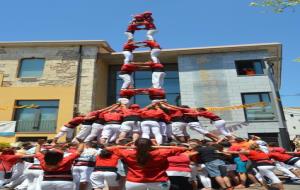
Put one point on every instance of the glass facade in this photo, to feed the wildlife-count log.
(143, 79)
(258, 113)
(31, 68)
(41, 119)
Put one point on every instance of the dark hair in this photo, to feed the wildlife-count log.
(105, 153)
(201, 109)
(239, 139)
(225, 144)
(195, 141)
(184, 106)
(53, 157)
(143, 146)
(273, 144)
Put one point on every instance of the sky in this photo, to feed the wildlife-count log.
(181, 23)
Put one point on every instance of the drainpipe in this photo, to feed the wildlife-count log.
(283, 132)
(78, 82)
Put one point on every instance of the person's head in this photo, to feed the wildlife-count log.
(253, 137)
(193, 143)
(105, 153)
(225, 144)
(201, 109)
(219, 147)
(254, 146)
(53, 157)
(134, 107)
(147, 14)
(125, 141)
(143, 146)
(8, 151)
(90, 145)
(239, 139)
(184, 106)
(272, 144)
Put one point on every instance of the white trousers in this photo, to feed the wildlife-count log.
(149, 35)
(203, 176)
(179, 129)
(128, 126)
(2, 180)
(267, 171)
(110, 132)
(128, 57)
(98, 178)
(220, 125)
(297, 164)
(57, 185)
(281, 167)
(165, 129)
(129, 35)
(81, 174)
(95, 132)
(65, 130)
(127, 80)
(154, 55)
(33, 179)
(151, 126)
(85, 130)
(196, 126)
(158, 79)
(147, 186)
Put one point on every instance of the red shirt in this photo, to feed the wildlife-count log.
(129, 67)
(127, 93)
(129, 47)
(107, 162)
(257, 155)
(179, 163)
(64, 165)
(152, 44)
(8, 161)
(149, 25)
(156, 92)
(209, 115)
(238, 148)
(130, 112)
(280, 156)
(277, 149)
(91, 115)
(112, 116)
(153, 114)
(132, 27)
(155, 168)
(74, 122)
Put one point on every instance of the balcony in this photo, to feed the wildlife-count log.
(48, 126)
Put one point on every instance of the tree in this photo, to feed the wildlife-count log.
(277, 6)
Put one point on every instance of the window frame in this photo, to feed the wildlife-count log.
(20, 65)
(260, 99)
(112, 81)
(36, 120)
(253, 60)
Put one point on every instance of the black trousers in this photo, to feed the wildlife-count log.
(180, 183)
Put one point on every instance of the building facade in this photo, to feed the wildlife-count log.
(81, 76)
(292, 115)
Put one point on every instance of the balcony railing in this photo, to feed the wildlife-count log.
(36, 126)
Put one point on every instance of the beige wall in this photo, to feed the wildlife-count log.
(100, 86)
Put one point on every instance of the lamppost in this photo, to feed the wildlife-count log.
(283, 133)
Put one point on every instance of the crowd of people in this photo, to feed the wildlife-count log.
(142, 164)
(124, 146)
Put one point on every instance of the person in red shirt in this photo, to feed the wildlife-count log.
(8, 159)
(131, 122)
(111, 129)
(98, 124)
(128, 47)
(262, 162)
(156, 94)
(146, 164)
(57, 168)
(155, 49)
(106, 170)
(126, 75)
(69, 128)
(149, 25)
(137, 21)
(218, 122)
(150, 122)
(284, 157)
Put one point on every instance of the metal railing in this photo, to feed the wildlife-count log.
(36, 126)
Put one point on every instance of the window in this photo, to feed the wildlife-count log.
(265, 113)
(142, 79)
(250, 67)
(41, 119)
(267, 137)
(31, 68)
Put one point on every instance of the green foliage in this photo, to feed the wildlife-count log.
(297, 60)
(277, 6)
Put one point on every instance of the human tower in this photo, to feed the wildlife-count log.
(159, 119)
